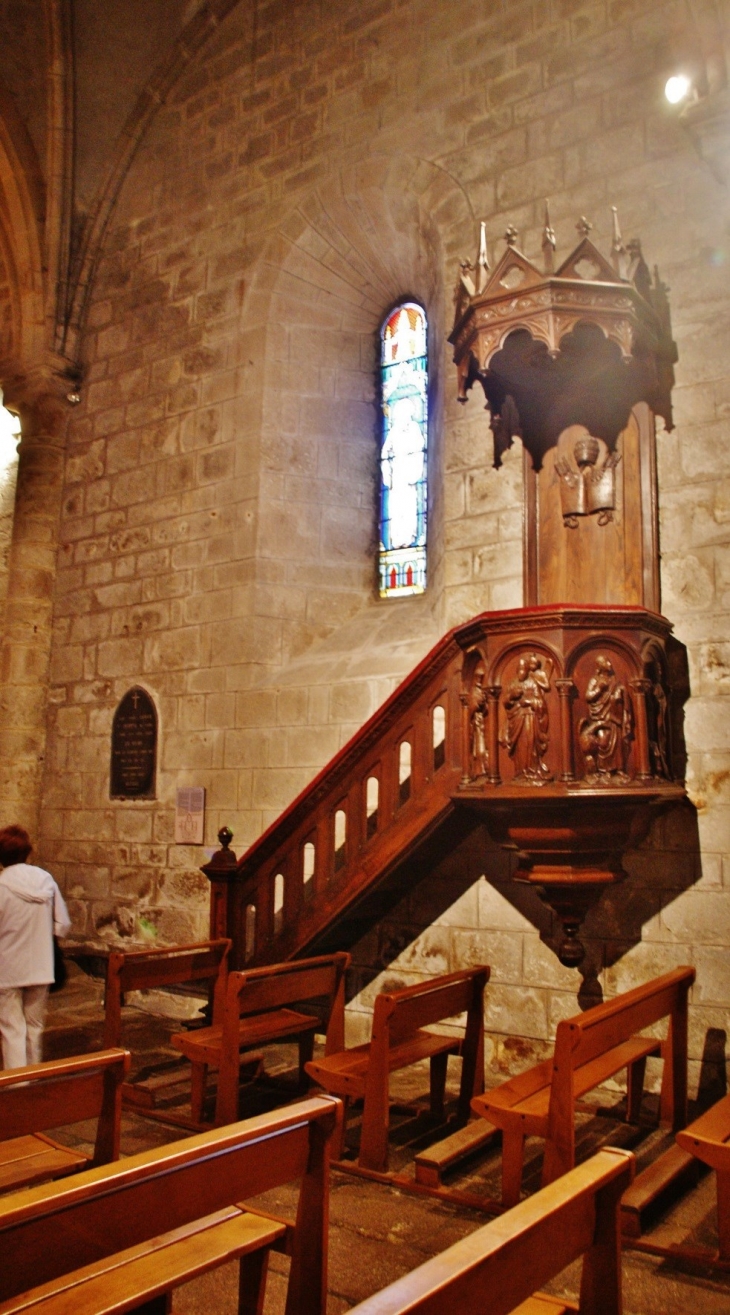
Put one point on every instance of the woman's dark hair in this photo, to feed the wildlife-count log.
(15, 845)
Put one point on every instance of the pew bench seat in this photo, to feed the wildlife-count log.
(204, 1045)
(36, 1158)
(527, 1096)
(121, 1282)
(345, 1074)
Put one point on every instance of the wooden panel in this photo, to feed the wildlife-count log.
(618, 1019)
(62, 1091)
(283, 987)
(593, 563)
(428, 1004)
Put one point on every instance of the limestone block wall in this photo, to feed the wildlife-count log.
(219, 520)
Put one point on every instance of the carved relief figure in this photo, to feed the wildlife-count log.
(605, 734)
(590, 490)
(528, 719)
(657, 706)
(478, 720)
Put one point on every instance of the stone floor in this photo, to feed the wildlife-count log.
(378, 1232)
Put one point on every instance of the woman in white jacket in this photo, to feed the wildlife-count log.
(31, 911)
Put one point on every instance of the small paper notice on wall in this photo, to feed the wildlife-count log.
(190, 815)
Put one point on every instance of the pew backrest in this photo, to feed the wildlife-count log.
(64, 1091)
(50, 1231)
(587, 1036)
(139, 970)
(398, 1015)
(263, 990)
(501, 1265)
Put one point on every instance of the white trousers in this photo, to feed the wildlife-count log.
(22, 1015)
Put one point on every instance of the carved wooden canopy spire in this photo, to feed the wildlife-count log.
(581, 345)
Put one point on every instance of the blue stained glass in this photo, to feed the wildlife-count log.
(403, 469)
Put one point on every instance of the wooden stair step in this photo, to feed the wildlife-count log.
(648, 1186)
(444, 1155)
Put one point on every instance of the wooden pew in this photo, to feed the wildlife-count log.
(52, 1095)
(173, 965)
(256, 1013)
(590, 1048)
(122, 1237)
(398, 1041)
(708, 1139)
(497, 1269)
(139, 970)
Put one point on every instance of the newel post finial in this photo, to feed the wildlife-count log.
(220, 870)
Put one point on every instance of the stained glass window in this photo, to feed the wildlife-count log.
(403, 471)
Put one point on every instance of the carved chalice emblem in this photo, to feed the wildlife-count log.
(591, 489)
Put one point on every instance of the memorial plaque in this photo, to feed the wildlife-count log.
(134, 747)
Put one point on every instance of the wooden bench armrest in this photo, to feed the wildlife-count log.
(124, 1280)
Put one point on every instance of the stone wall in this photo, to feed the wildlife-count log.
(219, 520)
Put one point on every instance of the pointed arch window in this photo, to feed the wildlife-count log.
(403, 464)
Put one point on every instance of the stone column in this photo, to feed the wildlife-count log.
(26, 640)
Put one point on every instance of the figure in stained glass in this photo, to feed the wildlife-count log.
(404, 393)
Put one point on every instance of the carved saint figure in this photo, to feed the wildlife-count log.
(528, 720)
(658, 745)
(479, 712)
(605, 734)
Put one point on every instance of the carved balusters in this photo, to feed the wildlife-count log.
(372, 805)
(340, 839)
(438, 736)
(279, 888)
(308, 865)
(405, 768)
(249, 933)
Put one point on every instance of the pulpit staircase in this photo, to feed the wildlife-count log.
(441, 757)
(375, 820)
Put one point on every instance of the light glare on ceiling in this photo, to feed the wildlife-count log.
(677, 87)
